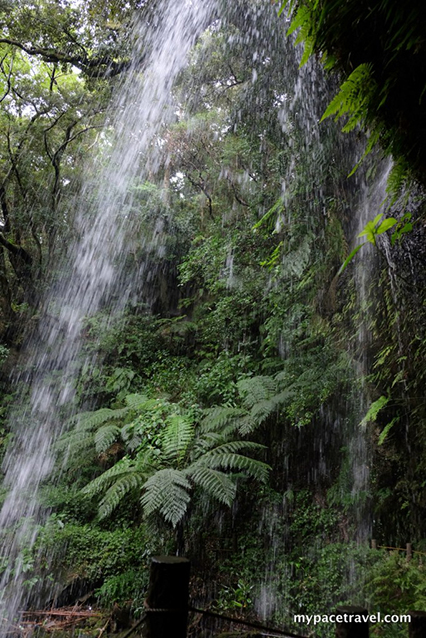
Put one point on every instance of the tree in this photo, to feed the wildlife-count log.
(57, 62)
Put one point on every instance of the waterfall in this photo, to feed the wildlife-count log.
(141, 107)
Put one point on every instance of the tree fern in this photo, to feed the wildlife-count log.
(167, 492)
(132, 479)
(165, 464)
(251, 467)
(218, 484)
(106, 436)
(256, 389)
(218, 417)
(177, 436)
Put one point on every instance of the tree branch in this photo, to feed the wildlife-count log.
(16, 250)
(4, 209)
(102, 66)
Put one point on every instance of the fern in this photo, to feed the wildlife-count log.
(106, 436)
(374, 410)
(99, 417)
(263, 409)
(247, 425)
(227, 456)
(177, 436)
(131, 435)
(167, 492)
(177, 457)
(139, 402)
(220, 416)
(114, 495)
(218, 484)
(74, 441)
(353, 97)
(256, 389)
(302, 21)
(255, 469)
(104, 481)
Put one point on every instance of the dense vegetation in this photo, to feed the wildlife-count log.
(250, 408)
(379, 50)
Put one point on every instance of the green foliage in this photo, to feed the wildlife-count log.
(116, 558)
(245, 334)
(372, 47)
(167, 492)
(404, 225)
(121, 588)
(353, 97)
(374, 410)
(235, 598)
(164, 459)
(377, 227)
(395, 584)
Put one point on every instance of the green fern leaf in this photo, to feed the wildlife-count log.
(140, 402)
(106, 436)
(177, 436)
(132, 435)
(233, 447)
(121, 487)
(247, 425)
(352, 98)
(256, 389)
(216, 483)
(99, 417)
(167, 492)
(263, 409)
(74, 441)
(218, 417)
(252, 467)
(103, 482)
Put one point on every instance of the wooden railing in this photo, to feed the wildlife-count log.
(167, 607)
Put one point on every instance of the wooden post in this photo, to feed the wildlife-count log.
(349, 627)
(417, 626)
(167, 599)
(373, 544)
(409, 551)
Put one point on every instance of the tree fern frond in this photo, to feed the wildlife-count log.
(177, 436)
(216, 483)
(106, 436)
(252, 467)
(74, 441)
(263, 409)
(99, 417)
(218, 417)
(103, 482)
(256, 389)
(139, 402)
(115, 494)
(166, 492)
(232, 447)
(247, 425)
(211, 440)
(130, 436)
